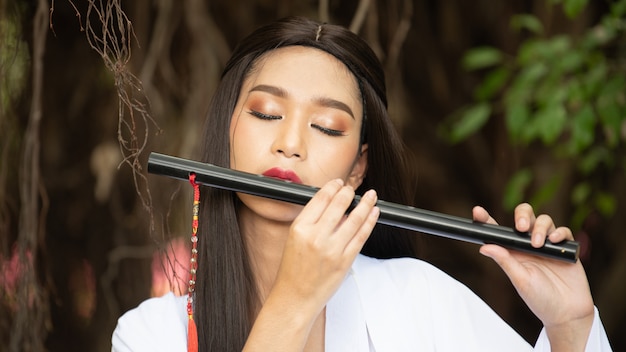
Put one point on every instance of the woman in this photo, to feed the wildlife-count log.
(306, 103)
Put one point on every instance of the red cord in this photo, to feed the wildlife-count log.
(192, 331)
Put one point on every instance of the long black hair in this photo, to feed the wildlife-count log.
(225, 291)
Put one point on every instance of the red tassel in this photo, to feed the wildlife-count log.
(192, 336)
(192, 331)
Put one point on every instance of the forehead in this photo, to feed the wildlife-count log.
(305, 71)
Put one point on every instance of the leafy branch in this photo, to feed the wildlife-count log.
(564, 92)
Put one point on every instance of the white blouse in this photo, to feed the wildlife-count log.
(383, 305)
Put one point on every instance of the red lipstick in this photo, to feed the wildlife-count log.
(282, 174)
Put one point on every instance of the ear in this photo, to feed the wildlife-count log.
(359, 169)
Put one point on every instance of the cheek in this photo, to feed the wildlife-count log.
(335, 159)
(246, 145)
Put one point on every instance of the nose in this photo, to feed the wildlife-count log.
(290, 139)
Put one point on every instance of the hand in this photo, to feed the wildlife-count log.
(320, 249)
(556, 292)
(323, 242)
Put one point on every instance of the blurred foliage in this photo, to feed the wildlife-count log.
(14, 61)
(564, 92)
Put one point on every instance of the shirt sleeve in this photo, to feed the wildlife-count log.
(425, 306)
(596, 342)
(157, 324)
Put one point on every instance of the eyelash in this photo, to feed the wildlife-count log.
(263, 116)
(327, 131)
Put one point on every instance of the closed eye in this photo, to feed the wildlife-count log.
(263, 116)
(328, 131)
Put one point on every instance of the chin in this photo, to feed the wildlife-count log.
(270, 209)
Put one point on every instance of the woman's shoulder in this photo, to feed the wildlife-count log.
(157, 324)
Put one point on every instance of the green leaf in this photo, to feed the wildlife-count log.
(534, 50)
(569, 61)
(471, 120)
(557, 46)
(618, 9)
(605, 203)
(550, 122)
(531, 73)
(611, 108)
(595, 78)
(611, 116)
(519, 93)
(575, 94)
(481, 57)
(529, 51)
(528, 22)
(581, 193)
(573, 7)
(523, 85)
(583, 130)
(516, 119)
(614, 87)
(591, 160)
(515, 188)
(550, 90)
(492, 83)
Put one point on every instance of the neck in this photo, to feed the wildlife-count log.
(264, 241)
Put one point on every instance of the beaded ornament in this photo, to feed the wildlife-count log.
(192, 331)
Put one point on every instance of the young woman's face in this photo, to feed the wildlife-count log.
(298, 117)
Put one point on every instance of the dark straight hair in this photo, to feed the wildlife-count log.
(226, 296)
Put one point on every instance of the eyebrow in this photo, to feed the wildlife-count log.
(321, 101)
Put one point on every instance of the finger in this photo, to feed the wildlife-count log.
(560, 234)
(335, 211)
(509, 264)
(524, 217)
(318, 204)
(355, 244)
(481, 215)
(540, 230)
(357, 218)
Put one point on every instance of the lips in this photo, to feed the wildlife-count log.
(282, 174)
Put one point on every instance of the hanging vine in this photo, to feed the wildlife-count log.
(110, 33)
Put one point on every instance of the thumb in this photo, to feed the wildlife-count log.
(509, 264)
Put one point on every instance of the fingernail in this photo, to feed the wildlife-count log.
(522, 223)
(371, 194)
(339, 181)
(553, 234)
(536, 240)
(484, 252)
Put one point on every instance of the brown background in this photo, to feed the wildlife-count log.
(92, 251)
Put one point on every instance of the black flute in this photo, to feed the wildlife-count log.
(392, 214)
